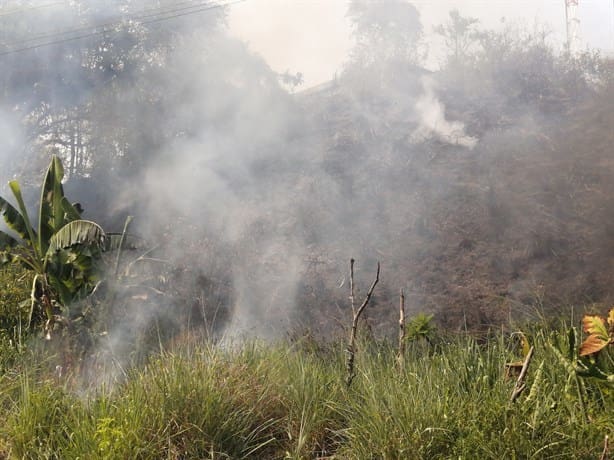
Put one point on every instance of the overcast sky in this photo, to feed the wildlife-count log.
(313, 36)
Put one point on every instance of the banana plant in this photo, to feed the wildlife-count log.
(63, 251)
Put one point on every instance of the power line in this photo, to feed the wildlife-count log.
(29, 8)
(118, 20)
(158, 17)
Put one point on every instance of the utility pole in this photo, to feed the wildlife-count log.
(573, 26)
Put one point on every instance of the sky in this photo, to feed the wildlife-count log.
(313, 36)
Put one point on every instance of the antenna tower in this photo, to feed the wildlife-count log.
(573, 26)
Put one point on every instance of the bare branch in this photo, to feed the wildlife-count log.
(351, 349)
(352, 286)
(369, 294)
(520, 385)
(606, 448)
(401, 354)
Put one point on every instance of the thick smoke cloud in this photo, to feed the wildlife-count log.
(258, 198)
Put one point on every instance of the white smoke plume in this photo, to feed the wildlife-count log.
(433, 122)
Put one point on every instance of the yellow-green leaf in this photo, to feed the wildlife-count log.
(599, 336)
(595, 325)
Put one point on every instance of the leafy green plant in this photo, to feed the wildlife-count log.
(421, 327)
(61, 253)
(107, 436)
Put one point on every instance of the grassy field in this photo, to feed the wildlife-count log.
(289, 400)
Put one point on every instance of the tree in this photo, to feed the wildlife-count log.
(459, 34)
(385, 31)
(79, 76)
(388, 45)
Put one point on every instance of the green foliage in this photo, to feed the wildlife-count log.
(420, 327)
(268, 401)
(107, 436)
(62, 254)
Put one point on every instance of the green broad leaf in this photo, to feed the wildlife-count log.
(70, 212)
(65, 293)
(23, 226)
(14, 219)
(51, 212)
(75, 233)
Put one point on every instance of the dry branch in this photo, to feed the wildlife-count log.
(520, 385)
(352, 286)
(401, 354)
(351, 349)
(606, 448)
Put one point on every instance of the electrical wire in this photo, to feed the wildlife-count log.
(158, 17)
(118, 20)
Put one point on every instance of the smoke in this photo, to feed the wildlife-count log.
(255, 199)
(11, 143)
(433, 120)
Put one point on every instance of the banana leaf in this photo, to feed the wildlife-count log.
(51, 215)
(70, 213)
(22, 224)
(77, 232)
(14, 219)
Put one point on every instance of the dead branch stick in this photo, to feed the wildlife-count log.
(352, 286)
(606, 448)
(401, 354)
(520, 385)
(351, 349)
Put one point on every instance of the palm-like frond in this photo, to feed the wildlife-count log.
(70, 212)
(14, 219)
(77, 232)
(51, 212)
(23, 226)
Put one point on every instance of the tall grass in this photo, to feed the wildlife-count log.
(449, 400)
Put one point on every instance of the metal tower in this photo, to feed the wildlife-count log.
(573, 26)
